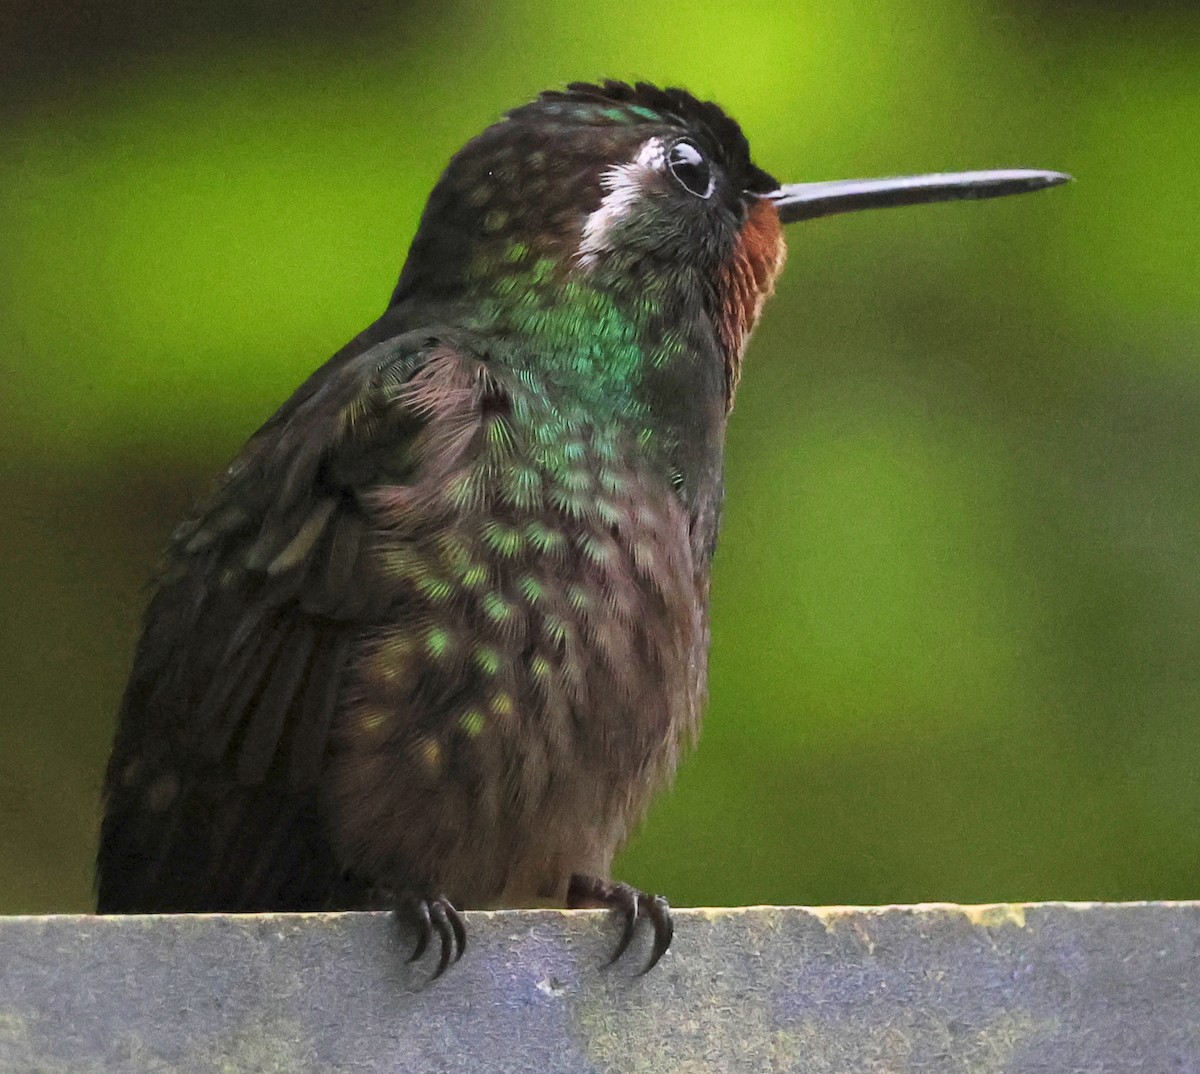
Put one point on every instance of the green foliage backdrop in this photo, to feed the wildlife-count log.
(956, 646)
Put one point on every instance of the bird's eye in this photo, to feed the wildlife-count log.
(690, 168)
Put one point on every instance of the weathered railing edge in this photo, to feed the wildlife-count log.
(929, 987)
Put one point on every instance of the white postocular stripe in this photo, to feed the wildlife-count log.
(623, 185)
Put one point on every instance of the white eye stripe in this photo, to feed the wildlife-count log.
(622, 184)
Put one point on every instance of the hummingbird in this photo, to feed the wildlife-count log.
(439, 632)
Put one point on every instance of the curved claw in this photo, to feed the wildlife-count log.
(658, 911)
(451, 932)
(420, 911)
(628, 903)
(459, 929)
(437, 914)
(632, 905)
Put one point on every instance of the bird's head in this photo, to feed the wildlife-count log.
(645, 195)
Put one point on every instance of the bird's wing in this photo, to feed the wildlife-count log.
(211, 795)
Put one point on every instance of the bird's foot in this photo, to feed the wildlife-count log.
(435, 914)
(584, 891)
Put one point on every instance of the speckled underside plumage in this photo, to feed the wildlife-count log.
(525, 605)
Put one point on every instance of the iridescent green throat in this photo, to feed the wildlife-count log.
(592, 340)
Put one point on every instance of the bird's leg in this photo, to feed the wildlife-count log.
(434, 914)
(585, 891)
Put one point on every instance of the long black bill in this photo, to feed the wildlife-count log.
(805, 201)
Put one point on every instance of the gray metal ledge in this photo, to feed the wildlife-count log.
(1052, 987)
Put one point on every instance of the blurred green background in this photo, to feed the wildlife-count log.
(956, 643)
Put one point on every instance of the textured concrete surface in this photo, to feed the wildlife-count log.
(1048, 988)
